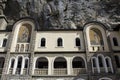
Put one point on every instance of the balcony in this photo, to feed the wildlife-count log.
(77, 71)
(43, 71)
(60, 71)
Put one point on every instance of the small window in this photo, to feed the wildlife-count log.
(78, 42)
(59, 42)
(4, 42)
(115, 42)
(43, 41)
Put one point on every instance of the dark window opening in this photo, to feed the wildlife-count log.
(19, 65)
(78, 63)
(100, 61)
(117, 60)
(59, 42)
(115, 42)
(60, 63)
(78, 42)
(2, 62)
(107, 62)
(43, 42)
(4, 42)
(42, 63)
(94, 63)
(26, 63)
(12, 63)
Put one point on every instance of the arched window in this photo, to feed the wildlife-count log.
(77, 42)
(94, 62)
(19, 65)
(60, 63)
(96, 37)
(59, 42)
(12, 63)
(109, 64)
(115, 42)
(43, 42)
(117, 60)
(42, 63)
(101, 63)
(4, 42)
(78, 62)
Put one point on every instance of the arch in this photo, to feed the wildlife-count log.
(102, 43)
(59, 42)
(95, 37)
(42, 62)
(105, 78)
(28, 26)
(117, 60)
(95, 65)
(77, 42)
(19, 65)
(109, 64)
(78, 62)
(115, 41)
(43, 42)
(60, 62)
(4, 43)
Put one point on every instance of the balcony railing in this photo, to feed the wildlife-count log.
(60, 71)
(77, 71)
(43, 71)
(25, 71)
(10, 70)
(97, 48)
(22, 47)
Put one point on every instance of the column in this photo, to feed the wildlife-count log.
(50, 66)
(69, 67)
(34, 63)
(98, 67)
(22, 65)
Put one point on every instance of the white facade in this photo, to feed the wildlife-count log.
(59, 54)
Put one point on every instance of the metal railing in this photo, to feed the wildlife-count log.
(77, 71)
(60, 71)
(43, 71)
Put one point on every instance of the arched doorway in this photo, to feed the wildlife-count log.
(78, 65)
(41, 66)
(60, 66)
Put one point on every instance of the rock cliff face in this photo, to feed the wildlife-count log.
(63, 14)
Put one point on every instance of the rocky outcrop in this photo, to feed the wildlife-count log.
(63, 14)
